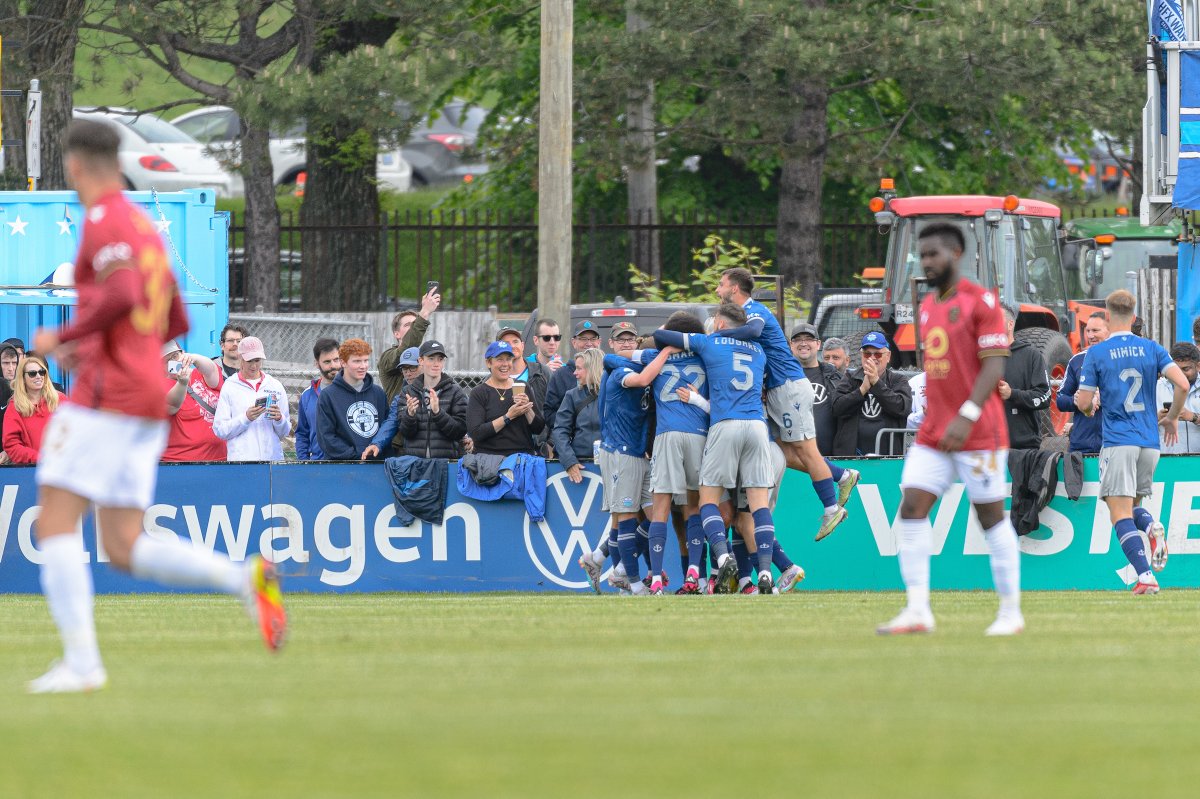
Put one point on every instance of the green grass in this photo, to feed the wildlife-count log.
(532, 696)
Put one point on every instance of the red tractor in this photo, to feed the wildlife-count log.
(1012, 246)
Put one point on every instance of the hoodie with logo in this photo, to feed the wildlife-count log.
(1025, 373)
(860, 417)
(347, 419)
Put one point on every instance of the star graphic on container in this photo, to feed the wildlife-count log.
(17, 227)
(162, 226)
(64, 226)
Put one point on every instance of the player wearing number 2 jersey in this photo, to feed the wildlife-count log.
(103, 446)
(964, 435)
(1124, 369)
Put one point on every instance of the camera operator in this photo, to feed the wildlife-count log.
(194, 389)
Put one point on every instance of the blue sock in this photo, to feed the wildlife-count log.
(744, 566)
(627, 542)
(1142, 519)
(714, 530)
(1131, 542)
(695, 543)
(826, 492)
(835, 470)
(658, 546)
(614, 551)
(643, 542)
(780, 558)
(764, 538)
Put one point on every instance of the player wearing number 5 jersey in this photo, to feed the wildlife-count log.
(964, 435)
(103, 446)
(1124, 369)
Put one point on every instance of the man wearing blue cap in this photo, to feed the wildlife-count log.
(869, 399)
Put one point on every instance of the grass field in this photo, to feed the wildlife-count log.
(532, 696)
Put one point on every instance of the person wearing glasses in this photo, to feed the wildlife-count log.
(546, 342)
(871, 398)
(34, 400)
(228, 358)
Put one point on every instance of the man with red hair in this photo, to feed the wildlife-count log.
(352, 409)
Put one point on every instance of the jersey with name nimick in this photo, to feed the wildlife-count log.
(623, 425)
(735, 375)
(959, 330)
(782, 365)
(1125, 369)
(683, 369)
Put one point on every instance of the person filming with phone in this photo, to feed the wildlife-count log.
(1186, 356)
(502, 418)
(193, 385)
(409, 329)
(252, 412)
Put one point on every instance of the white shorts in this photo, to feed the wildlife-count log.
(791, 407)
(108, 458)
(626, 482)
(1127, 471)
(779, 463)
(983, 472)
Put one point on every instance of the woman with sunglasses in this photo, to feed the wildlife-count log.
(34, 400)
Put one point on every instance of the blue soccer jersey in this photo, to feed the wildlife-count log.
(782, 365)
(674, 415)
(623, 424)
(734, 369)
(1125, 369)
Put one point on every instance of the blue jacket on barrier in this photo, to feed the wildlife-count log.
(1086, 431)
(522, 477)
(418, 488)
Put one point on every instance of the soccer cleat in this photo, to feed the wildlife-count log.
(726, 571)
(694, 588)
(749, 589)
(830, 521)
(656, 588)
(648, 580)
(594, 570)
(1006, 625)
(908, 622)
(267, 599)
(61, 679)
(710, 587)
(765, 584)
(788, 580)
(618, 579)
(846, 486)
(1145, 586)
(1158, 546)
(691, 582)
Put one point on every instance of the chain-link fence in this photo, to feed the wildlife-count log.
(290, 339)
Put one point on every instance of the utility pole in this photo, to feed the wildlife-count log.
(554, 163)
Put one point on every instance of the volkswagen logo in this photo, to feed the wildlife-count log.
(568, 508)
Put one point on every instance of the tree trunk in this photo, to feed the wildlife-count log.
(262, 220)
(798, 233)
(48, 36)
(642, 171)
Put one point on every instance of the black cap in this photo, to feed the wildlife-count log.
(803, 328)
(586, 326)
(507, 328)
(432, 348)
(15, 343)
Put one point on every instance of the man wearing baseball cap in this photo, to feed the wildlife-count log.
(428, 418)
(806, 346)
(193, 385)
(252, 413)
(871, 398)
(586, 337)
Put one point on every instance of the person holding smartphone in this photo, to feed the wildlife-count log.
(502, 418)
(252, 412)
(409, 329)
(1186, 356)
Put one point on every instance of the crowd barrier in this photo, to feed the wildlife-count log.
(332, 527)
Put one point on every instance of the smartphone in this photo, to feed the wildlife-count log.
(174, 367)
(431, 287)
(261, 402)
(1166, 406)
(270, 401)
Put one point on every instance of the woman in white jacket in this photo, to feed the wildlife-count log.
(252, 414)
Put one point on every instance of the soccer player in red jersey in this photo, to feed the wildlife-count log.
(103, 445)
(964, 434)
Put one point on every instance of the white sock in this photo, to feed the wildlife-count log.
(638, 587)
(67, 583)
(742, 583)
(1006, 565)
(176, 563)
(597, 557)
(914, 541)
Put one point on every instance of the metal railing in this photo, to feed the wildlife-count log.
(290, 339)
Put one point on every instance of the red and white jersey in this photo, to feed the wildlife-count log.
(119, 363)
(958, 331)
(192, 437)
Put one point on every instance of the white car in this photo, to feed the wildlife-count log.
(156, 155)
(218, 126)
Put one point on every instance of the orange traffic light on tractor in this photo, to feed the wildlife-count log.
(876, 205)
(1105, 238)
(1011, 203)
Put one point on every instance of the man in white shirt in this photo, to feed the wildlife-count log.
(252, 413)
(1185, 356)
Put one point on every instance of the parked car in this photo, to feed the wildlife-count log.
(218, 127)
(646, 316)
(290, 277)
(441, 148)
(156, 155)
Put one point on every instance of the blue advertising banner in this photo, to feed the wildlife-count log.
(332, 527)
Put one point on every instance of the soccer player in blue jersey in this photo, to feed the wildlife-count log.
(1125, 370)
(790, 402)
(737, 452)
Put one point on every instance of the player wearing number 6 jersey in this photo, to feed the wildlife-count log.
(103, 446)
(964, 435)
(1124, 369)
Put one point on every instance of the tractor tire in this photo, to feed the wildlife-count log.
(854, 347)
(1055, 352)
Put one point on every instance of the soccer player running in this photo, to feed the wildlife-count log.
(1124, 369)
(965, 341)
(737, 451)
(103, 446)
(790, 402)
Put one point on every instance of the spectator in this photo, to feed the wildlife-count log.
(535, 376)
(1085, 432)
(16, 344)
(577, 425)
(1186, 356)
(430, 413)
(500, 419)
(409, 329)
(228, 358)
(252, 413)
(34, 400)
(834, 352)
(871, 398)
(586, 337)
(193, 386)
(329, 363)
(351, 410)
(916, 385)
(1196, 331)
(824, 377)
(546, 342)
(1025, 389)
(410, 365)
(8, 370)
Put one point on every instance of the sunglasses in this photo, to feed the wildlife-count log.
(36, 373)
(557, 337)
(876, 354)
